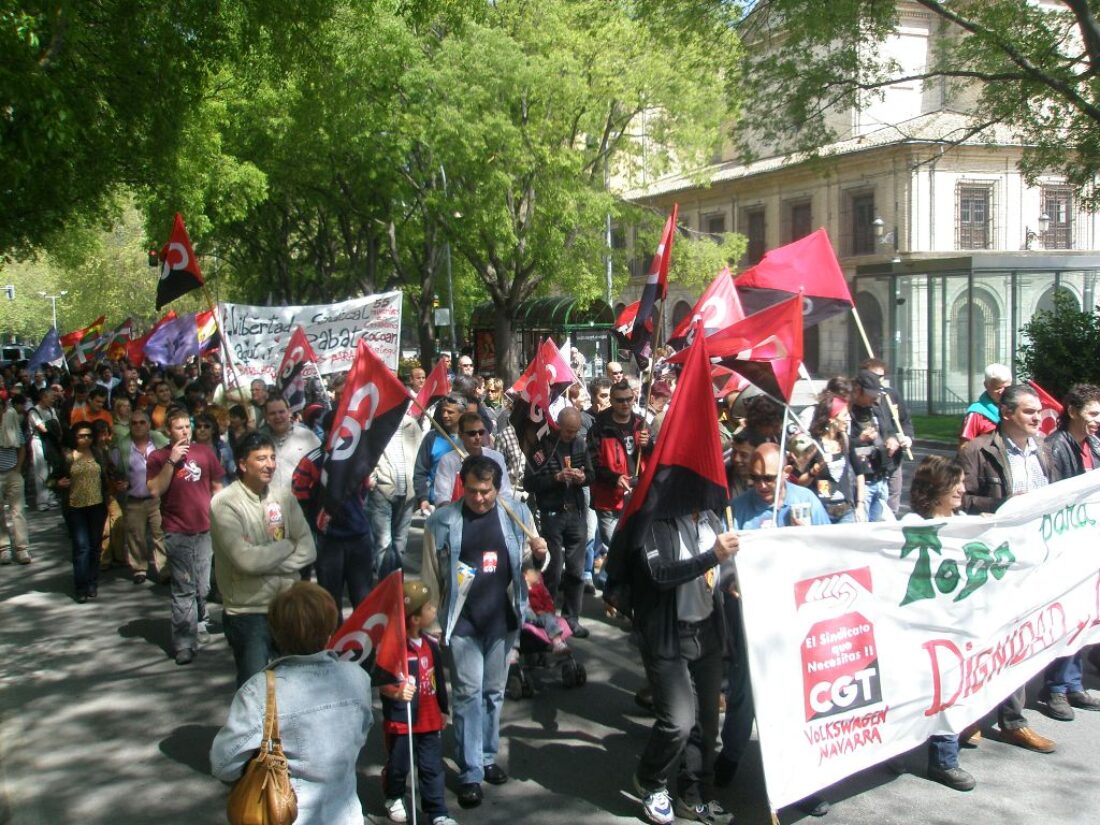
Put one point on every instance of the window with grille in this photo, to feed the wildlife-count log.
(974, 223)
(1057, 205)
(714, 225)
(754, 227)
(800, 216)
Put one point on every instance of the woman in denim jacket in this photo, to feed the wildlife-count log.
(324, 709)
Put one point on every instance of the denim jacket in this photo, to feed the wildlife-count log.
(324, 708)
(443, 545)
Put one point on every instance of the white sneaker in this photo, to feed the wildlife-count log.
(204, 639)
(708, 812)
(443, 820)
(5, 556)
(657, 805)
(395, 810)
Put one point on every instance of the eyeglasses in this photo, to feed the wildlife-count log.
(628, 400)
(203, 427)
(765, 479)
(84, 435)
(474, 432)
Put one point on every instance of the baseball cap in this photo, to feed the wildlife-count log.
(416, 596)
(868, 381)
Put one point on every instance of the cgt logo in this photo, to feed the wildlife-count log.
(358, 645)
(345, 438)
(846, 692)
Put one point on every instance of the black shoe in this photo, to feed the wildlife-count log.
(643, 698)
(724, 771)
(93, 593)
(814, 805)
(954, 778)
(139, 578)
(1058, 707)
(470, 795)
(81, 598)
(495, 775)
(185, 656)
(579, 630)
(1084, 700)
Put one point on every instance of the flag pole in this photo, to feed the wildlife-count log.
(412, 757)
(781, 477)
(649, 379)
(223, 345)
(862, 332)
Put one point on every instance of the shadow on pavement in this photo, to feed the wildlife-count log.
(190, 745)
(156, 632)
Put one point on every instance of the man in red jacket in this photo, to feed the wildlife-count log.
(617, 437)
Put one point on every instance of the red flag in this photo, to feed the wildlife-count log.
(685, 473)
(1052, 410)
(298, 368)
(377, 626)
(369, 413)
(810, 265)
(180, 271)
(656, 287)
(91, 332)
(436, 386)
(135, 349)
(545, 379)
(766, 347)
(624, 324)
(717, 308)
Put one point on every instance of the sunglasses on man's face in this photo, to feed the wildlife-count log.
(765, 479)
(478, 433)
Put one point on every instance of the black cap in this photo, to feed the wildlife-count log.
(869, 382)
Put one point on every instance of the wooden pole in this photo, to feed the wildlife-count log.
(897, 422)
(649, 379)
(862, 332)
(224, 346)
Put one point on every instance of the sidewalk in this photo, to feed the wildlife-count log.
(98, 726)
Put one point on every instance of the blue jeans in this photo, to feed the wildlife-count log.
(478, 676)
(249, 637)
(878, 494)
(1064, 675)
(85, 525)
(943, 751)
(344, 564)
(189, 560)
(390, 522)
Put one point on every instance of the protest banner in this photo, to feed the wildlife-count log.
(865, 639)
(257, 336)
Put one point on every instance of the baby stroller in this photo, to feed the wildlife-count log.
(537, 651)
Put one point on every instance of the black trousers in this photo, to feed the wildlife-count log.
(685, 702)
(429, 768)
(566, 534)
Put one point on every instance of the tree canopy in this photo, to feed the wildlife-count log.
(1029, 66)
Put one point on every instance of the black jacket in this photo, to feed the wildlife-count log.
(657, 572)
(988, 477)
(551, 494)
(1066, 453)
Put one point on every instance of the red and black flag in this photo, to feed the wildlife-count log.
(437, 385)
(542, 383)
(656, 287)
(809, 266)
(765, 348)
(374, 634)
(684, 475)
(298, 373)
(717, 308)
(179, 273)
(370, 412)
(624, 324)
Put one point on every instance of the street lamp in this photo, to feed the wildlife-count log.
(1030, 235)
(53, 302)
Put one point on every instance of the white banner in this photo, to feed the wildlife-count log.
(866, 639)
(257, 336)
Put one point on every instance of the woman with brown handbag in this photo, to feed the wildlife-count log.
(323, 715)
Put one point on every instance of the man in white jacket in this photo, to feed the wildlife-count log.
(392, 494)
(261, 541)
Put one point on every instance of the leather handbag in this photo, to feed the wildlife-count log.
(263, 795)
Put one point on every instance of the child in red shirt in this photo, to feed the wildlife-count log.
(426, 690)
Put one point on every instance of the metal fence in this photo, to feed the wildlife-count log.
(926, 393)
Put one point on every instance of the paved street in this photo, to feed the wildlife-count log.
(98, 726)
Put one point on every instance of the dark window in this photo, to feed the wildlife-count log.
(1057, 202)
(801, 217)
(863, 224)
(754, 229)
(974, 217)
(714, 225)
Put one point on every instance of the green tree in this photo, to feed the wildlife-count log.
(1063, 346)
(1031, 67)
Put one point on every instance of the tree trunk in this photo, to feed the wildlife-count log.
(506, 351)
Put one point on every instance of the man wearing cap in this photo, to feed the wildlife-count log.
(874, 443)
(659, 394)
(473, 556)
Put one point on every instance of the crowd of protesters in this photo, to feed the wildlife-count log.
(165, 474)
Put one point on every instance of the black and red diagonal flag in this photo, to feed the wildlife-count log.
(545, 379)
(717, 308)
(684, 475)
(765, 348)
(808, 265)
(179, 273)
(624, 325)
(656, 287)
(374, 634)
(370, 412)
(437, 385)
(298, 372)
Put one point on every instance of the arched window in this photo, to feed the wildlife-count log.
(870, 313)
(976, 326)
(1046, 300)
